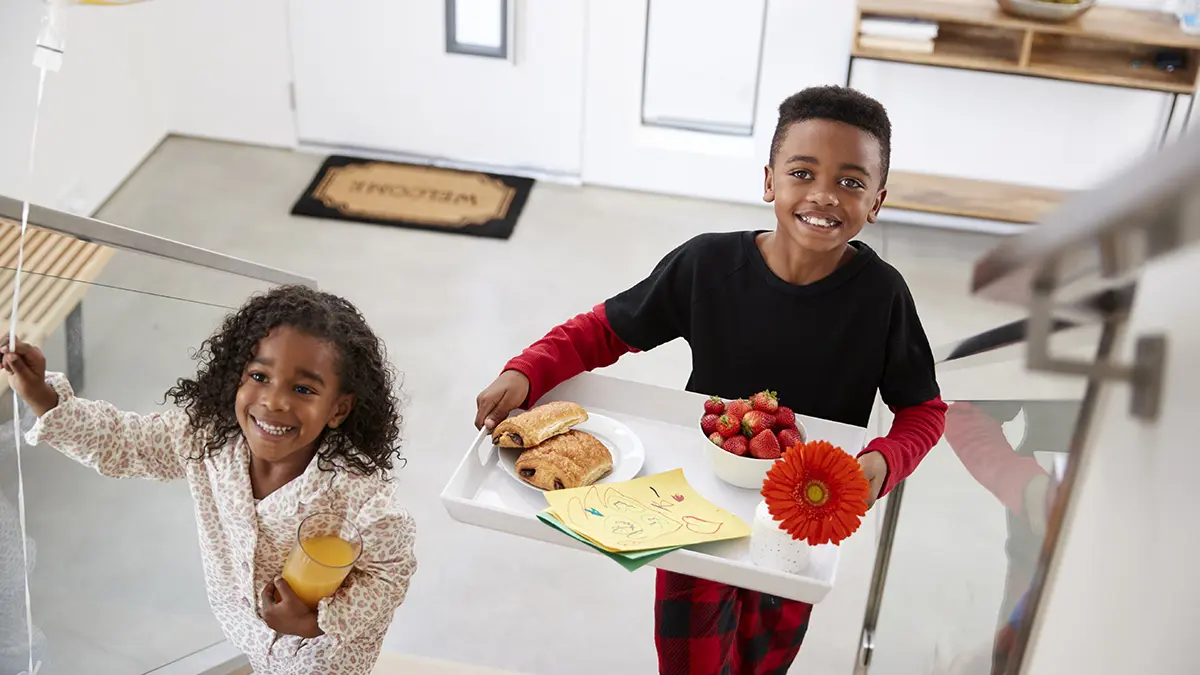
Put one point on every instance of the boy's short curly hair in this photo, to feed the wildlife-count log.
(840, 104)
(365, 442)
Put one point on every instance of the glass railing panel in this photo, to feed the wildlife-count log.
(116, 581)
(972, 518)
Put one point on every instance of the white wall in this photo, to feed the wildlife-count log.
(224, 68)
(1123, 597)
(1149, 5)
(375, 74)
(990, 126)
(210, 68)
(100, 115)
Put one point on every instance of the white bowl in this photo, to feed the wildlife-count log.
(1046, 11)
(744, 472)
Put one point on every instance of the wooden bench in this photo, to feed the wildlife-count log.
(57, 273)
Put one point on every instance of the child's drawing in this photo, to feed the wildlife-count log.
(645, 513)
(624, 528)
(701, 525)
(629, 519)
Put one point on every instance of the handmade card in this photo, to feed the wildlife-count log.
(651, 512)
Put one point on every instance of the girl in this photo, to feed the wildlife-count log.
(291, 414)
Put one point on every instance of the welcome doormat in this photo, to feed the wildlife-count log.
(419, 197)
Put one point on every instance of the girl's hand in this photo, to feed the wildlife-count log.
(288, 615)
(27, 366)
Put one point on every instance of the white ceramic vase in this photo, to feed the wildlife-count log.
(773, 548)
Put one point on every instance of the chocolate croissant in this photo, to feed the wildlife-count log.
(569, 460)
(535, 426)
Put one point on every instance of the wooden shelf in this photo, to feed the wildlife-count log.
(1106, 45)
(1114, 23)
(1104, 62)
(958, 46)
(970, 198)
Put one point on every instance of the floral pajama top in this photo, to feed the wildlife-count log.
(244, 544)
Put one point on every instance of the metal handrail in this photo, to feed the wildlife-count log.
(1007, 335)
(107, 234)
(1089, 310)
(1149, 209)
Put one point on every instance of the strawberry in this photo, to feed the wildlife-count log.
(728, 426)
(717, 439)
(755, 422)
(714, 406)
(738, 408)
(738, 445)
(789, 438)
(766, 401)
(765, 446)
(784, 419)
(708, 424)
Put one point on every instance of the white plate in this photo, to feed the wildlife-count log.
(626, 448)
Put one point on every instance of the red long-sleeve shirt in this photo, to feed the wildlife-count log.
(588, 342)
(978, 440)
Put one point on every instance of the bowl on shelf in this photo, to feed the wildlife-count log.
(743, 471)
(1046, 10)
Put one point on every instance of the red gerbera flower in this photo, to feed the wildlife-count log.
(818, 493)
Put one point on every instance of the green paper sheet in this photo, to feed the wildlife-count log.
(630, 561)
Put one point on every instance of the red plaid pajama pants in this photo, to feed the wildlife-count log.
(707, 628)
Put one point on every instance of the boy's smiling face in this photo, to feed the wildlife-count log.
(826, 184)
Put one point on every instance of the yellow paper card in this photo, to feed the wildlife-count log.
(648, 512)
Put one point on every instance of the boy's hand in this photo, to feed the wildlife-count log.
(875, 467)
(27, 367)
(501, 397)
(288, 614)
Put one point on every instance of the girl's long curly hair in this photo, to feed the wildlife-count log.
(366, 442)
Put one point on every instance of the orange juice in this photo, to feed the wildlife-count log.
(317, 567)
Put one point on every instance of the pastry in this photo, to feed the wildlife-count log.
(570, 460)
(534, 427)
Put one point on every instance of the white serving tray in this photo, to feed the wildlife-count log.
(668, 422)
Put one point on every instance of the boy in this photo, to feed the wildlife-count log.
(803, 311)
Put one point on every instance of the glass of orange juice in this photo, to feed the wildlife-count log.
(327, 546)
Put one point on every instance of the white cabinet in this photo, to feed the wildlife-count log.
(702, 64)
(802, 44)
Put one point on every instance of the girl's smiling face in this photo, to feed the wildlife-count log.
(289, 394)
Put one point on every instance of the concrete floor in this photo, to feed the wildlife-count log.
(118, 588)
(391, 663)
